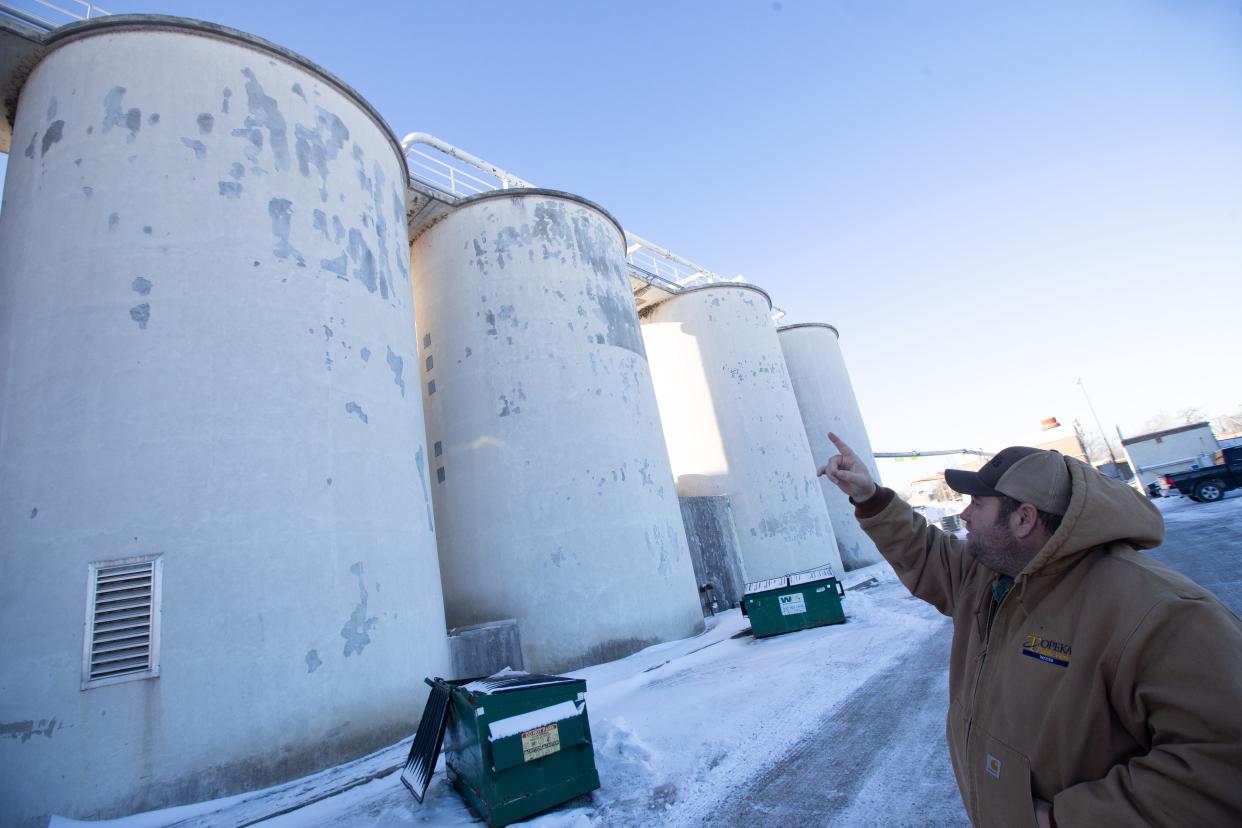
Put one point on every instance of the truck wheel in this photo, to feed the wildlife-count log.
(1209, 491)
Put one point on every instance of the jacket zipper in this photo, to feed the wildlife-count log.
(974, 696)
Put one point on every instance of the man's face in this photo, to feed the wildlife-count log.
(989, 537)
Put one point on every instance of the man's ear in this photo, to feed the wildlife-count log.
(1026, 521)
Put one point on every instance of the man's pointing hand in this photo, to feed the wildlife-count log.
(848, 472)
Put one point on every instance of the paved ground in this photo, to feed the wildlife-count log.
(893, 727)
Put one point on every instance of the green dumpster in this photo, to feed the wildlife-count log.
(517, 744)
(797, 601)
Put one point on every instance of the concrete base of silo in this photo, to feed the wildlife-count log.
(484, 649)
(714, 548)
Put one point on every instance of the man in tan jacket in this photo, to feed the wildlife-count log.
(1089, 685)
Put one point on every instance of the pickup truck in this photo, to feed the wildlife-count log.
(1210, 484)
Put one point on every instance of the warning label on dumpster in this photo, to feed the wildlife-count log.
(793, 604)
(541, 741)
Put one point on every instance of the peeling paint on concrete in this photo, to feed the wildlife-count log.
(321, 223)
(360, 254)
(265, 114)
(281, 211)
(320, 145)
(230, 189)
(396, 364)
(115, 115)
(312, 661)
(200, 149)
(23, 731)
(141, 285)
(55, 131)
(422, 477)
(205, 122)
(353, 408)
(141, 314)
(357, 628)
(339, 266)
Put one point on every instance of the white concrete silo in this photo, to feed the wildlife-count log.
(211, 367)
(732, 425)
(555, 504)
(827, 403)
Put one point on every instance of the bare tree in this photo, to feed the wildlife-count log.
(1228, 423)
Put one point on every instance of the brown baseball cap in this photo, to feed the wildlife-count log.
(1028, 475)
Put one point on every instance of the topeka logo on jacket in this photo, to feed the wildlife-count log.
(1053, 652)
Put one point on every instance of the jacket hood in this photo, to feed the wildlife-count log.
(1101, 510)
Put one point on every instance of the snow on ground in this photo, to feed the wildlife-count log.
(676, 727)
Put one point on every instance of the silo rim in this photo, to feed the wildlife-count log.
(544, 191)
(85, 28)
(715, 286)
(832, 328)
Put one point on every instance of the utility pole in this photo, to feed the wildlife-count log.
(1103, 436)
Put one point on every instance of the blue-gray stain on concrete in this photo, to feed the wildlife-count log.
(237, 171)
(338, 229)
(141, 314)
(200, 149)
(224, 100)
(141, 285)
(55, 131)
(353, 408)
(51, 108)
(153, 119)
(34, 513)
(365, 353)
(265, 114)
(422, 478)
(281, 211)
(230, 189)
(396, 364)
(113, 220)
(312, 661)
(356, 629)
(360, 255)
(29, 153)
(205, 122)
(297, 90)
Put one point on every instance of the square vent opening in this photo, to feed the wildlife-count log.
(122, 621)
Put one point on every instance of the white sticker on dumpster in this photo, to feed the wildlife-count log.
(793, 604)
(541, 741)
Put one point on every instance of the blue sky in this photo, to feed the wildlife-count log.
(989, 199)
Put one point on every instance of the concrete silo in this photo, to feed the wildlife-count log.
(732, 424)
(826, 400)
(554, 500)
(211, 437)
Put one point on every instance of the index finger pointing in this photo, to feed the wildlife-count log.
(841, 445)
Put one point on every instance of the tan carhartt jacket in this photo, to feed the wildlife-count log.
(1107, 684)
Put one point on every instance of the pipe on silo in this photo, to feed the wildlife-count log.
(732, 425)
(827, 403)
(554, 499)
(210, 358)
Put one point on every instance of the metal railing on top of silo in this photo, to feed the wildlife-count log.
(647, 261)
(46, 15)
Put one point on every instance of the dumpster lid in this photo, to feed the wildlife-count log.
(507, 680)
(805, 576)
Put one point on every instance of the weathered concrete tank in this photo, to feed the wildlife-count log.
(210, 382)
(732, 425)
(555, 503)
(827, 403)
